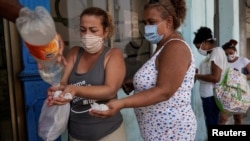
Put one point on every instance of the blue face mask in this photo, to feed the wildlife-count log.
(151, 34)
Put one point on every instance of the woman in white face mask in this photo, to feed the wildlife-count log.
(93, 74)
(238, 63)
(210, 72)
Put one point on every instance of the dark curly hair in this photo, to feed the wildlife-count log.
(203, 34)
(176, 8)
(231, 44)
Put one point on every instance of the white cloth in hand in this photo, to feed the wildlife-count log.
(99, 107)
(66, 96)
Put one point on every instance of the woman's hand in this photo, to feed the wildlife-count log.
(114, 107)
(9, 9)
(128, 86)
(61, 58)
(58, 96)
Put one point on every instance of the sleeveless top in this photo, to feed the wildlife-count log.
(172, 119)
(83, 126)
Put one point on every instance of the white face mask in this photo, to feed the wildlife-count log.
(201, 51)
(231, 57)
(91, 43)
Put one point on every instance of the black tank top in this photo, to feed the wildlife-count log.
(83, 126)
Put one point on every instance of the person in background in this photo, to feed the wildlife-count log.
(9, 9)
(210, 72)
(94, 73)
(241, 64)
(162, 86)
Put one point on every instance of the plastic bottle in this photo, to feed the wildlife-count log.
(38, 31)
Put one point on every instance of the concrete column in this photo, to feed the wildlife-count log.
(228, 20)
(244, 34)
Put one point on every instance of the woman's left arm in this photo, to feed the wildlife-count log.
(172, 64)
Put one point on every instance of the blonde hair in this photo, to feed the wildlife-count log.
(106, 19)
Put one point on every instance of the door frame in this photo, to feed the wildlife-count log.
(14, 67)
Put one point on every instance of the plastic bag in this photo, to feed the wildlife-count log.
(53, 120)
(233, 94)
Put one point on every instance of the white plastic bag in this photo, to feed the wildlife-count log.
(53, 120)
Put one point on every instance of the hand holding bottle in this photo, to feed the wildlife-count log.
(38, 31)
(61, 58)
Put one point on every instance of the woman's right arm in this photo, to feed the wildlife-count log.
(213, 77)
(70, 58)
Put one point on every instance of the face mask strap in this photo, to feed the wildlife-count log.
(201, 45)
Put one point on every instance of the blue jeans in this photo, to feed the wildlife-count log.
(211, 111)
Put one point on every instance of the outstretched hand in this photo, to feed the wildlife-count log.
(114, 107)
(61, 58)
(61, 97)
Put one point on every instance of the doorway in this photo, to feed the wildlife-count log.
(11, 102)
(5, 118)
